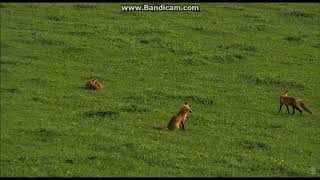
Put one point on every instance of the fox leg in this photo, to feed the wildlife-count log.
(181, 125)
(293, 110)
(296, 107)
(288, 109)
(280, 108)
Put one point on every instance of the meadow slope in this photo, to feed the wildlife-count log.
(229, 62)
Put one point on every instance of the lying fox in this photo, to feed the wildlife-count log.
(92, 84)
(287, 100)
(178, 120)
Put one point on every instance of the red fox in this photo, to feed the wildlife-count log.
(92, 84)
(287, 100)
(178, 120)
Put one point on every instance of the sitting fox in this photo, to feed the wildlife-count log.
(92, 84)
(294, 102)
(178, 120)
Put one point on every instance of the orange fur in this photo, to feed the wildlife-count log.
(178, 120)
(92, 84)
(294, 102)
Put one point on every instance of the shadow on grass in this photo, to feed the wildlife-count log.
(101, 114)
(13, 62)
(132, 108)
(44, 135)
(253, 145)
(55, 17)
(300, 13)
(238, 46)
(10, 90)
(316, 45)
(293, 39)
(229, 58)
(269, 81)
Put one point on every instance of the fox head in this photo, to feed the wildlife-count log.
(92, 81)
(186, 108)
(285, 93)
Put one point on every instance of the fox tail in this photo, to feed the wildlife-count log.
(304, 106)
(160, 127)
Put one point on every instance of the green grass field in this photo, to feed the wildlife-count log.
(228, 61)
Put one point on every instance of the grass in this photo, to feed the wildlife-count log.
(229, 62)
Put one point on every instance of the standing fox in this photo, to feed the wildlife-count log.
(178, 120)
(92, 84)
(287, 100)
